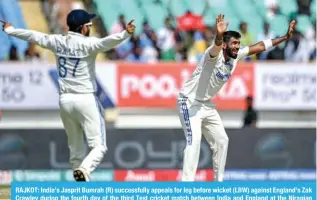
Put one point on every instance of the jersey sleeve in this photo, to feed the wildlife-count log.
(213, 48)
(243, 53)
(41, 39)
(104, 44)
(208, 56)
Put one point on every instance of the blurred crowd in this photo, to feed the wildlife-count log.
(169, 43)
(55, 12)
(31, 54)
(172, 44)
(300, 48)
(166, 44)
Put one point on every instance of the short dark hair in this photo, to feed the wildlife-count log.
(75, 29)
(229, 34)
(241, 24)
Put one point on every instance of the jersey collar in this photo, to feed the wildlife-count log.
(224, 61)
(229, 63)
(74, 33)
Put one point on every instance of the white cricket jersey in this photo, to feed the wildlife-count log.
(75, 55)
(210, 75)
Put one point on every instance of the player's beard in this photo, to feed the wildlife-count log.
(87, 33)
(230, 53)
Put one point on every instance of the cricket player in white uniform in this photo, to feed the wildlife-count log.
(197, 113)
(81, 112)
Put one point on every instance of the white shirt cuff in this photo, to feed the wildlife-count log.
(9, 29)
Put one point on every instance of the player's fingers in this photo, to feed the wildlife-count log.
(220, 17)
(3, 21)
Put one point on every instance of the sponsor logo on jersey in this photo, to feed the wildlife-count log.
(223, 77)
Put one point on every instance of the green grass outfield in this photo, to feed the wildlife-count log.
(4, 191)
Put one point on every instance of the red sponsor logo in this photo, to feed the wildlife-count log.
(150, 86)
(135, 175)
(158, 85)
(159, 175)
(201, 175)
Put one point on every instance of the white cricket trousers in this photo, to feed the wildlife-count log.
(197, 119)
(82, 115)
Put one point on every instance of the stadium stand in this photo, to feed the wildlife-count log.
(51, 19)
(178, 7)
(39, 23)
(138, 90)
(11, 11)
(224, 7)
(277, 13)
(155, 21)
(5, 44)
(279, 24)
(197, 6)
(288, 7)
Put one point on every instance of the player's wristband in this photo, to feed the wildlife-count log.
(268, 44)
(219, 40)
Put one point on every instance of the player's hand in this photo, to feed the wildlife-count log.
(130, 27)
(291, 29)
(221, 26)
(5, 24)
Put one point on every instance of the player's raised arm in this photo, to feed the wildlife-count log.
(104, 44)
(266, 44)
(36, 37)
(221, 28)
